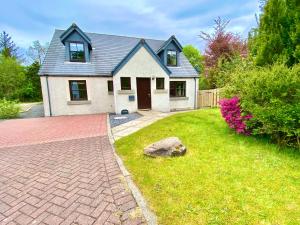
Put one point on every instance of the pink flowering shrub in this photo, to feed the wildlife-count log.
(232, 113)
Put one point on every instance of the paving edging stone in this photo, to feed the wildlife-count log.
(141, 202)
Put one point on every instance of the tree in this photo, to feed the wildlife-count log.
(277, 37)
(222, 44)
(12, 78)
(37, 51)
(194, 56)
(32, 87)
(7, 47)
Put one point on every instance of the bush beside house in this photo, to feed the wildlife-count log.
(233, 115)
(9, 109)
(272, 95)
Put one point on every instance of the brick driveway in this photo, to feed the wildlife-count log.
(62, 170)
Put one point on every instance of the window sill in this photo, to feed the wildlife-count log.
(160, 91)
(85, 102)
(125, 92)
(110, 93)
(68, 62)
(178, 98)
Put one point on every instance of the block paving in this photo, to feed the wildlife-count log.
(73, 181)
(19, 132)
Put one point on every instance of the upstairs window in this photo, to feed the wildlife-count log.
(77, 52)
(177, 88)
(171, 58)
(160, 83)
(78, 90)
(125, 83)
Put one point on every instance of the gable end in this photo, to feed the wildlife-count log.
(74, 28)
(142, 43)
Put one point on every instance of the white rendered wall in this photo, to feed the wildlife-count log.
(190, 101)
(99, 100)
(142, 64)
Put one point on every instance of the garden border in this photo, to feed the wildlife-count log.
(147, 213)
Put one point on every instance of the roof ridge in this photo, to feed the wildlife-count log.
(117, 35)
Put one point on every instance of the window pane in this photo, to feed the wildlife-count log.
(125, 83)
(79, 47)
(177, 88)
(77, 52)
(110, 86)
(76, 95)
(74, 86)
(160, 83)
(73, 47)
(81, 85)
(172, 89)
(171, 58)
(78, 90)
(78, 56)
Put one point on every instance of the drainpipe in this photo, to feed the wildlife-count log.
(195, 99)
(48, 93)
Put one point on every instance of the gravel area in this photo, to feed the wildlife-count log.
(116, 120)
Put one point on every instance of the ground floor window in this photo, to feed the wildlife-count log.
(125, 83)
(160, 83)
(78, 90)
(110, 86)
(177, 89)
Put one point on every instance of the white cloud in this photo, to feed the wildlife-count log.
(149, 18)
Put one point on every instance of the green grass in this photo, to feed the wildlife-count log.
(224, 178)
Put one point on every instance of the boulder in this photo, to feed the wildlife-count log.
(171, 146)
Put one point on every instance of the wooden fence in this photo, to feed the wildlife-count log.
(208, 98)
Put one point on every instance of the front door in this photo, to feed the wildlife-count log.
(143, 93)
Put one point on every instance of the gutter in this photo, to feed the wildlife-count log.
(49, 98)
(195, 99)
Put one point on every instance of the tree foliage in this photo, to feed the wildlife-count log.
(17, 82)
(222, 44)
(194, 56)
(221, 47)
(37, 51)
(277, 37)
(12, 78)
(32, 86)
(7, 47)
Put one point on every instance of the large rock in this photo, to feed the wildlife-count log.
(171, 146)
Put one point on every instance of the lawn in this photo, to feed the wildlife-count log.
(224, 178)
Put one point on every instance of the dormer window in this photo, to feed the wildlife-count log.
(171, 58)
(77, 52)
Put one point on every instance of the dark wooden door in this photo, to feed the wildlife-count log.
(143, 93)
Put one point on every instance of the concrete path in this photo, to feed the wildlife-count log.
(62, 170)
(35, 111)
(148, 118)
(27, 106)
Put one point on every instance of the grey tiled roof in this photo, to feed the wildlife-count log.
(107, 52)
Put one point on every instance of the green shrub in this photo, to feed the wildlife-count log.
(9, 109)
(12, 78)
(272, 96)
(226, 68)
(203, 83)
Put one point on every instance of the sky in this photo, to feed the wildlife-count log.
(29, 20)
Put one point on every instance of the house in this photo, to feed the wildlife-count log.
(87, 73)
